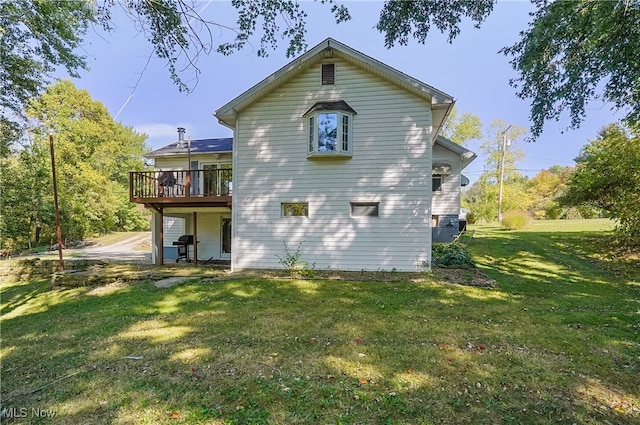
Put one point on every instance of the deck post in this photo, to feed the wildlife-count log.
(195, 238)
(157, 236)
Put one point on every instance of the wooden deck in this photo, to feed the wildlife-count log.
(181, 188)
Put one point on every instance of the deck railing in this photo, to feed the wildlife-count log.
(180, 183)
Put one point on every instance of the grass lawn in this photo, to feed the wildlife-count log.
(556, 342)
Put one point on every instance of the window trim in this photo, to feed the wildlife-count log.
(345, 116)
(343, 138)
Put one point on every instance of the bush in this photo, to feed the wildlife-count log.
(451, 254)
(292, 262)
(471, 218)
(553, 211)
(515, 220)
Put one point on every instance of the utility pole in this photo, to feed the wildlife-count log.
(55, 201)
(504, 148)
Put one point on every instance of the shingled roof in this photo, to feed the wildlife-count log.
(198, 146)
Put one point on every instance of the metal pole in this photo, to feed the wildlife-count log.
(504, 147)
(189, 167)
(55, 201)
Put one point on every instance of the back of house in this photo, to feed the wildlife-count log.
(332, 161)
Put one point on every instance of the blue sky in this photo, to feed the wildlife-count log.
(470, 69)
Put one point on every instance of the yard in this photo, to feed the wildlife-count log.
(557, 341)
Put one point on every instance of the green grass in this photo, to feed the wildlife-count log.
(557, 342)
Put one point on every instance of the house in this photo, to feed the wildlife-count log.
(449, 159)
(332, 158)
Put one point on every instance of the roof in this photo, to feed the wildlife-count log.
(466, 156)
(198, 146)
(340, 105)
(441, 103)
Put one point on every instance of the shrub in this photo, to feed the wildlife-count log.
(471, 218)
(451, 254)
(515, 220)
(553, 211)
(292, 263)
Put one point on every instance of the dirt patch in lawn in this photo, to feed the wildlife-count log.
(462, 276)
(457, 276)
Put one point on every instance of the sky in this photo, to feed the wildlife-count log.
(139, 92)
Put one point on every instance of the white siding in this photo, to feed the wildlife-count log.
(180, 163)
(391, 164)
(447, 201)
(171, 163)
(209, 235)
(173, 229)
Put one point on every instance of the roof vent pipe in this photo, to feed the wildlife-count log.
(181, 132)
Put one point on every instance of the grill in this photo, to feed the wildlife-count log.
(183, 243)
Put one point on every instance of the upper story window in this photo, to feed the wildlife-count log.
(330, 129)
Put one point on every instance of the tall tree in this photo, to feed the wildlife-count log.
(35, 38)
(482, 196)
(545, 188)
(462, 128)
(38, 36)
(573, 52)
(492, 147)
(93, 155)
(607, 176)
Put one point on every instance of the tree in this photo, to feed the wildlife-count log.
(607, 176)
(93, 157)
(493, 145)
(571, 51)
(544, 189)
(35, 38)
(460, 129)
(38, 36)
(482, 196)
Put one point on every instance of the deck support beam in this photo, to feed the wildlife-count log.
(195, 238)
(157, 237)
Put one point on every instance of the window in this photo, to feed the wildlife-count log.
(364, 209)
(328, 74)
(330, 133)
(293, 209)
(436, 184)
(330, 129)
(327, 132)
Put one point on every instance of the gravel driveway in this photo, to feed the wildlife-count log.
(119, 251)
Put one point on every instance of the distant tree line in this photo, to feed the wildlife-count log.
(604, 183)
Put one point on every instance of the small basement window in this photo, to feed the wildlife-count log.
(365, 209)
(295, 209)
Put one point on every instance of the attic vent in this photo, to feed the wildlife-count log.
(328, 74)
